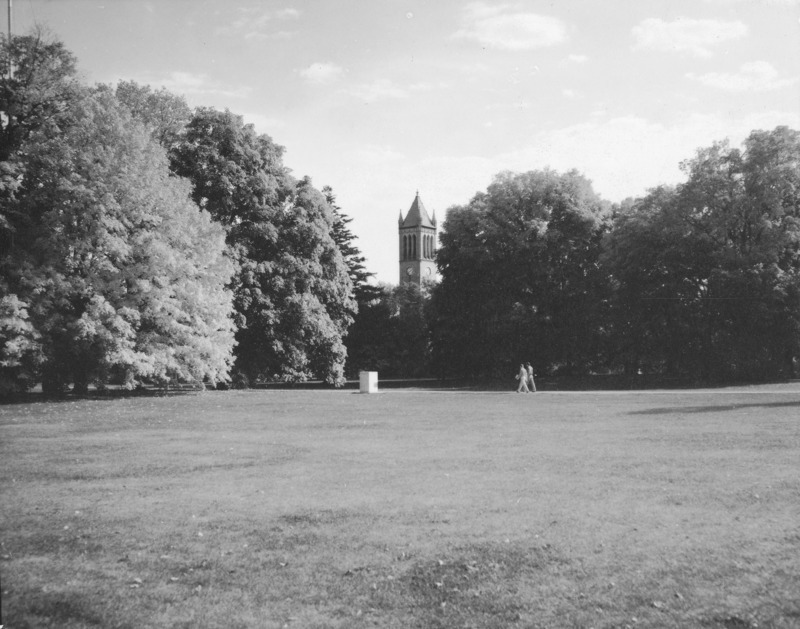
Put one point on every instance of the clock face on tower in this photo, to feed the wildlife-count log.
(428, 271)
(410, 271)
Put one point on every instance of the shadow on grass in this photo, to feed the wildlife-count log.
(59, 609)
(772, 614)
(492, 585)
(719, 408)
(37, 397)
(470, 586)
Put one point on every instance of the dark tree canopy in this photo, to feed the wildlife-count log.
(708, 274)
(293, 295)
(38, 91)
(391, 333)
(237, 174)
(520, 279)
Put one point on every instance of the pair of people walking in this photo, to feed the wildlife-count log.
(525, 377)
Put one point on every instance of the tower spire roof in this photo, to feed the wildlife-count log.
(418, 215)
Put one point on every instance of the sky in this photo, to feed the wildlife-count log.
(380, 99)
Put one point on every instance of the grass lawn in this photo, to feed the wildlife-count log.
(404, 509)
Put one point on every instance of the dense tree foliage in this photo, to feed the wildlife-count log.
(708, 274)
(41, 86)
(113, 265)
(654, 300)
(293, 294)
(391, 333)
(165, 114)
(20, 351)
(142, 240)
(36, 93)
(36, 88)
(697, 281)
(520, 277)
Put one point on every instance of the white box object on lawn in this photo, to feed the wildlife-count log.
(369, 381)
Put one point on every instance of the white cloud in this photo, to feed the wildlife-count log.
(322, 73)
(192, 84)
(757, 76)
(472, 69)
(379, 89)
(377, 154)
(426, 86)
(258, 17)
(578, 58)
(287, 14)
(624, 156)
(256, 24)
(258, 36)
(695, 37)
(505, 27)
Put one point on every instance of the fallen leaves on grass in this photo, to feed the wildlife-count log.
(351, 571)
(469, 584)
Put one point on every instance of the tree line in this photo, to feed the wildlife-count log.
(699, 281)
(143, 241)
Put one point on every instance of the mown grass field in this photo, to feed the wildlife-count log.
(404, 509)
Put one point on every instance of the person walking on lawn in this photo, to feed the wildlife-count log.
(531, 383)
(522, 376)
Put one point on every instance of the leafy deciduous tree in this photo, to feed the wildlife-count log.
(708, 275)
(115, 265)
(293, 295)
(164, 113)
(520, 277)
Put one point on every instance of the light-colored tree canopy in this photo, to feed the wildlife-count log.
(110, 261)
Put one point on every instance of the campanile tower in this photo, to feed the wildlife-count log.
(417, 232)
